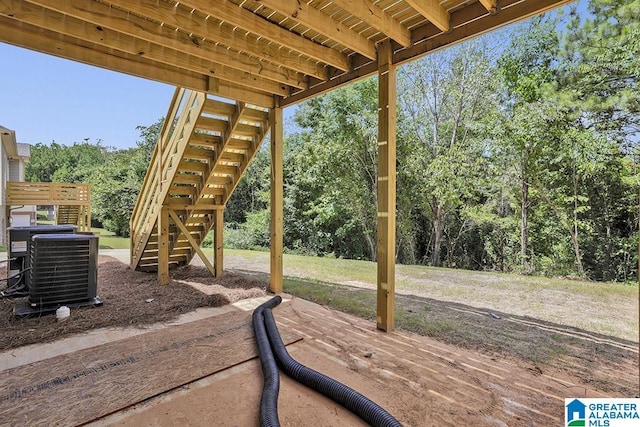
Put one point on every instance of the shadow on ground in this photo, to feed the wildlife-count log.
(603, 362)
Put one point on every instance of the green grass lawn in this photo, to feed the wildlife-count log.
(608, 308)
(107, 239)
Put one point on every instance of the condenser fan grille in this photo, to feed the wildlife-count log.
(64, 269)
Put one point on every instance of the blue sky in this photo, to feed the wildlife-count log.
(45, 98)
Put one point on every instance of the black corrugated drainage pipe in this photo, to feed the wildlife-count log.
(358, 404)
(271, 386)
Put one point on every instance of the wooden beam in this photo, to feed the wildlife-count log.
(108, 17)
(465, 24)
(194, 24)
(386, 249)
(163, 247)
(74, 27)
(243, 18)
(433, 11)
(472, 21)
(30, 37)
(490, 5)
(191, 241)
(314, 19)
(277, 186)
(218, 243)
(196, 207)
(238, 93)
(324, 87)
(367, 11)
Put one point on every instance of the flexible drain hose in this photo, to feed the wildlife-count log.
(358, 404)
(271, 386)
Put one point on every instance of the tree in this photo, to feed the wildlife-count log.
(443, 98)
(116, 183)
(600, 79)
(526, 66)
(61, 163)
(334, 169)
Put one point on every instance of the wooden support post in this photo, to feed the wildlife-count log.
(191, 241)
(218, 243)
(386, 187)
(163, 246)
(277, 133)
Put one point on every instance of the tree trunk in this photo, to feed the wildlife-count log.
(524, 225)
(372, 246)
(438, 226)
(574, 235)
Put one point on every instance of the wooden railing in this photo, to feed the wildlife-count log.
(53, 194)
(179, 123)
(47, 193)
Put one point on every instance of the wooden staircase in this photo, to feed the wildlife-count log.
(203, 150)
(67, 215)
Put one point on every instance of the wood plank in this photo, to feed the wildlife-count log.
(30, 37)
(324, 24)
(433, 11)
(212, 191)
(76, 388)
(228, 156)
(245, 130)
(182, 190)
(199, 154)
(277, 188)
(218, 108)
(193, 167)
(255, 116)
(228, 90)
(108, 17)
(205, 140)
(177, 16)
(211, 124)
(225, 169)
(185, 178)
(195, 245)
(490, 5)
(219, 181)
(368, 12)
(386, 240)
(218, 242)
(243, 18)
(163, 247)
(65, 24)
(239, 144)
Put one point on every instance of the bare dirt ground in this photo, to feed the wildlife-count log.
(472, 375)
(421, 381)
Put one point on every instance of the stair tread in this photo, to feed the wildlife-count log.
(199, 179)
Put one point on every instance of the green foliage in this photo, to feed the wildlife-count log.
(115, 186)
(61, 163)
(115, 176)
(523, 159)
